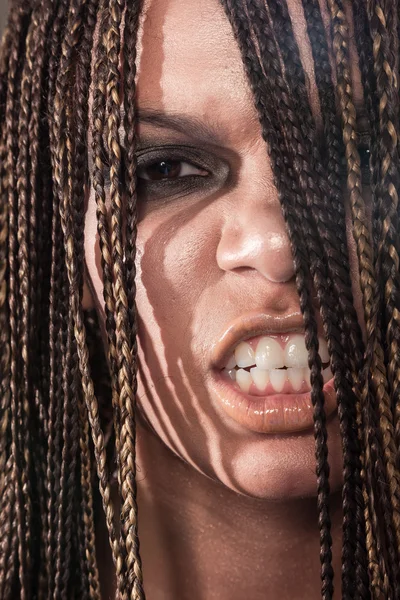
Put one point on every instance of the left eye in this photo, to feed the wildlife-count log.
(168, 169)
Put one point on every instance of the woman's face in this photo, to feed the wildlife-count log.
(215, 271)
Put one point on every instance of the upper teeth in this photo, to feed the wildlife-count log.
(269, 354)
(270, 359)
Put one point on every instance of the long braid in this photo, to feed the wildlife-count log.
(332, 159)
(361, 232)
(39, 220)
(238, 18)
(99, 159)
(77, 410)
(338, 263)
(383, 18)
(385, 228)
(72, 229)
(48, 398)
(11, 125)
(130, 37)
(24, 259)
(354, 542)
(379, 577)
(58, 298)
(334, 144)
(126, 375)
(98, 126)
(6, 483)
(129, 47)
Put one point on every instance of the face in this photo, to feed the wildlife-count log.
(216, 293)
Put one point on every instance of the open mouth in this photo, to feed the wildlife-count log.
(267, 365)
(263, 381)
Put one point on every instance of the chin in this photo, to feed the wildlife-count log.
(279, 468)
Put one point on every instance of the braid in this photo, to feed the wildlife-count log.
(354, 535)
(57, 302)
(361, 232)
(130, 163)
(11, 128)
(99, 158)
(24, 258)
(334, 150)
(39, 270)
(98, 125)
(50, 419)
(270, 134)
(72, 226)
(385, 228)
(78, 435)
(126, 375)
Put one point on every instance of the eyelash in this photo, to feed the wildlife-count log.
(188, 156)
(203, 161)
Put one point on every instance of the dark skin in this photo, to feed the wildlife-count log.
(225, 513)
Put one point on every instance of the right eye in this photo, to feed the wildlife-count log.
(167, 169)
(169, 172)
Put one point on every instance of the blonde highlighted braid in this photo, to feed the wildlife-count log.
(53, 454)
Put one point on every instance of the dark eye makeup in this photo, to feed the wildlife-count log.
(169, 172)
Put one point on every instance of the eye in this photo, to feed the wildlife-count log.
(170, 172)
(167, 169)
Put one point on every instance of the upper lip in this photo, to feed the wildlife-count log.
(251, 325)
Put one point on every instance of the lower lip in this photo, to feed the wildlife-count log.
(276, 413)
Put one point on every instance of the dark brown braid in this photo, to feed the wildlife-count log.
(22, 552)
(361, 233)
(8, 534)
(50, 421)
(126, 374)
(263, 87)
(384, 33)
(337, 260)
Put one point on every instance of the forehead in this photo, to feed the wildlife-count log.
(189, 62)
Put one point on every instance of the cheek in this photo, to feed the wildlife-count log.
(183, 300)
(175, 258)
(175, 269)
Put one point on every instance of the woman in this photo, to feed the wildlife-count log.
(207, 192)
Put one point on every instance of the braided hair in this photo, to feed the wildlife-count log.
(53, 455)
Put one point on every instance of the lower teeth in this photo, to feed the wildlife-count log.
(298, 378)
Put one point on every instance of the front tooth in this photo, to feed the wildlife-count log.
(296, 354)
(244, 355)
(323, 350)
(244, 380)
(269, 354)
(327, 374)
(231, 373)
(232, 363)
(260, 378)
(296, 377)
(307, 376)
(277, 378)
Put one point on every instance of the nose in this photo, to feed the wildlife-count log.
(255, 238)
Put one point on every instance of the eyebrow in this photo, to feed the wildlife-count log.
(191, 127)
(206, 133)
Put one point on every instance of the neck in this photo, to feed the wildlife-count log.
(198, 539)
